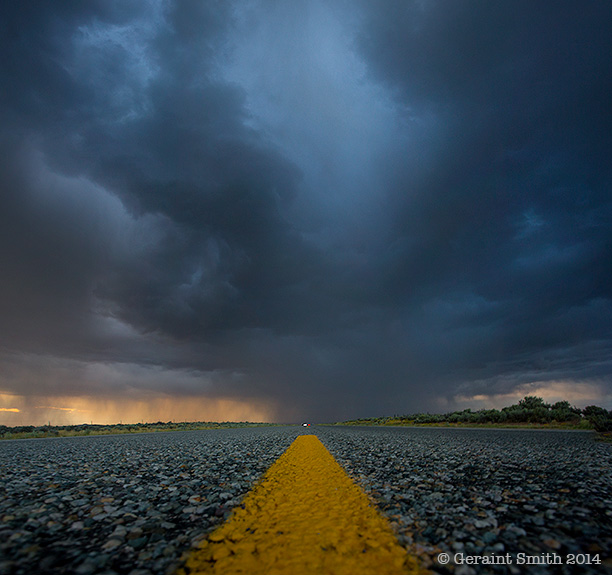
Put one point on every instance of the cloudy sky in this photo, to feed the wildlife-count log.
(264, 210)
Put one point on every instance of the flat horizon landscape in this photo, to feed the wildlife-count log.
(529, 413)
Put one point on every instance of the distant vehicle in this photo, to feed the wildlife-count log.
(305, 424)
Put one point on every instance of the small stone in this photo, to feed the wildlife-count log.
(138, 543)
(167, 525)
(120, 532)
(134, 533)
(145, 556)
(111, 544)
(517, 531)
(489, 537)
(552, 543)
(169, 550)
(97, 510)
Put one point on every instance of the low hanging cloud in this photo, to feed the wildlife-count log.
(322, 211)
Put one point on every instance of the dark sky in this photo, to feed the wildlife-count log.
(303, 210)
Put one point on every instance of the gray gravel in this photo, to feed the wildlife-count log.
(134, 504)
(480, 492)
(128, 504)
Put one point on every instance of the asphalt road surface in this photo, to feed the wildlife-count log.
(540, 501)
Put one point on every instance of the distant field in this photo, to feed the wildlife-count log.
(582, 425)
(32, 432)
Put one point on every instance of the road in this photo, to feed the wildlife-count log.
(136, 504)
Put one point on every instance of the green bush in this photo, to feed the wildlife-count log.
(600, 418)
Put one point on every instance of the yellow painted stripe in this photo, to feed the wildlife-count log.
(306, 516)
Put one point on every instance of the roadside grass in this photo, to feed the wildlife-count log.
(47, 431)
(606, 437)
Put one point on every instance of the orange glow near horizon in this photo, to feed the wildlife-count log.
(79, 410)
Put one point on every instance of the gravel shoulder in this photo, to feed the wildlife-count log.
(134, 504)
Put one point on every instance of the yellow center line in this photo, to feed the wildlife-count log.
(306, 516)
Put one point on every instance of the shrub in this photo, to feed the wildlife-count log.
(600, 418)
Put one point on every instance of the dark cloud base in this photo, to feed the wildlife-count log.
(154, 210)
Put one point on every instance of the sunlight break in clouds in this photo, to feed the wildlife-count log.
(79, 410)
(579, 394)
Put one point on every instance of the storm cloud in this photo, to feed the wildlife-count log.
(326, 210)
